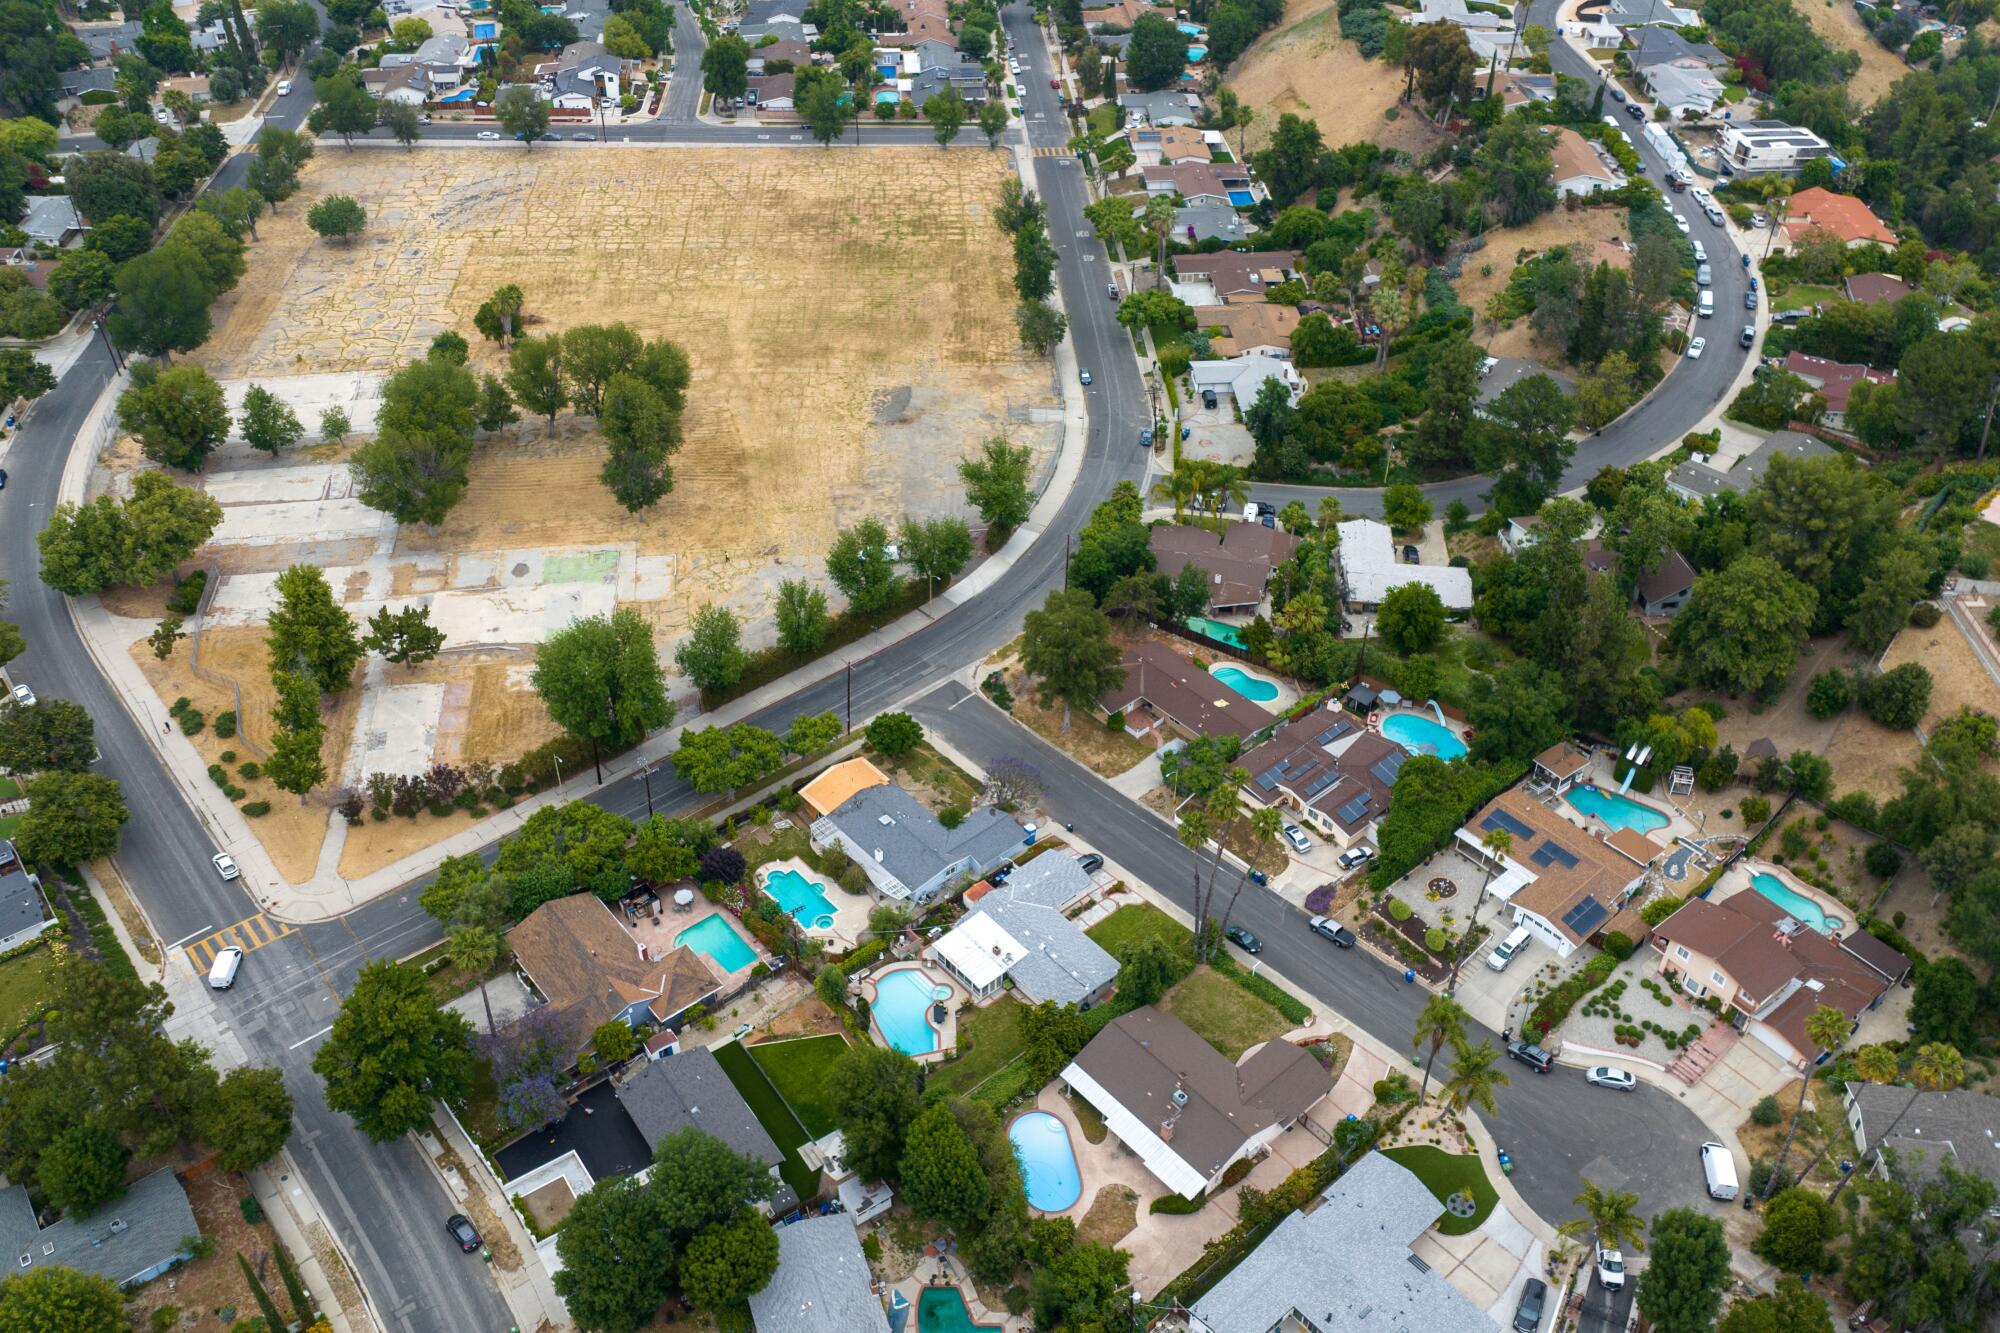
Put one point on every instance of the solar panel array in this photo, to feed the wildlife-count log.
(1500, 819)
(1554, 853)
(1585, 917)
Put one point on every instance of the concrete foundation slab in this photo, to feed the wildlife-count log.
(396, 732)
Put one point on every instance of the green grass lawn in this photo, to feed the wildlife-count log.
(9, 826)
(771, 1112)
(9, 789)
(1984, 538)
(1141, 921)
(987, 1039)
(1104, 120)
(1799, 294)
(25, 983)
(1445, 1174)
(799, 1070)
(1228, 1017)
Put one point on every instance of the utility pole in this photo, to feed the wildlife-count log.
(850, 696)
(647, 774)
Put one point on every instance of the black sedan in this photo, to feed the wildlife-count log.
(459, 1227)
(1244, 940)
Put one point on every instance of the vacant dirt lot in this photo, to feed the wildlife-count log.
(1836, 21)
(1593, 235)
(1957, 678)
(1308, 68)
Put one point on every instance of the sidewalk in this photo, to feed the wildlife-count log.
(323, 1266)
(526, 1286)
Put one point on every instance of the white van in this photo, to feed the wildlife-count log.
(1503, 952)
(284, 87)
(222, 972)
(1700, 253)
(1707, 306)
(1718, 1168)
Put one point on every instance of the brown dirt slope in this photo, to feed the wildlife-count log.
(1306, 67)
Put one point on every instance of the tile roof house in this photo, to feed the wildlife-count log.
(690, 1091)
(822, 1283)
(917, 30)
(1842, 214)
(1183, 1107)
(130, 1239)
(1161, 684)
(1346, 1263)
(1368, 565)
(1834, 381)
(1960, 1129)
(1560, 880)
(1876, 288)
(1226, 275)
(1697, 478)
(1579, 168)
(1170, 145)
(1329, 771)
(1681, 90)
(1239, 562)
(24, 913)
(1018, 930)
(905, 851)
(1250, 328)
(1123, 14)
(591, 970)
(1752, 953)
(51, 220)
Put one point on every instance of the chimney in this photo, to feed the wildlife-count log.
(1167, 1130)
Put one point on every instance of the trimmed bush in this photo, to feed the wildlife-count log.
(225, 724)
(250, 771)
(1435, 939)
(192, 721)
(1399, 909)
(186, 596)
(1756, 809)
(256, 808)
(1618, 944)
(1925, 615)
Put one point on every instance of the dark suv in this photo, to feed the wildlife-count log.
(1534, 1057)
(1244, 940)
(1528, 1314)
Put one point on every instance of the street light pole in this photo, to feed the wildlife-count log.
(559, 776)
(117, 362)
(647, 774)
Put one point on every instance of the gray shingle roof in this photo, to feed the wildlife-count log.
(21, 906)
(822, 1283)
(1659, 45)
(1062, 964)
(132, 1234)
(690, 1091)
(1701, 479)
(1959, 1128)
(907, 840)
(1162, 108)
(50, 217)
(1346, 1264)
(100, 40)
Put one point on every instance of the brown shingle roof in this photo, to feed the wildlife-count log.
(590, 970)
(1842, 214)
(1232, 274)
(1563, 759)
(1239, 562)
(1741, 934)
(1671, 576)
(1297, 760)
(1635, 845)
(1177, 689)
(1587, 868)
(1246, 325)
(1575, 157)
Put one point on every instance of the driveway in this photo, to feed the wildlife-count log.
(1605, 1311)
(1489, 1265)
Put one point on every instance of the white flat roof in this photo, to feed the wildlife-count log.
(980, 950)
(1368, 558)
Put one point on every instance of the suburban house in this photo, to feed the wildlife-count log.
(447, 58)
(1239, 562)
(1580, 167)
(1249, 329)
(1640, 13)
(1243, 377)
(408, 84)
(822, 1282)
(905, 851)
(105, 40)
(1184, 1108)
(968, 77)
(1841, 214)
(1775, 970)
(1161, 108)
(771, 92)
(1197, 182)
(1211, 222)
(1663, 590)
(1834, 381)
(1768, 147)
(1875, 288)
(1345, 1263)
(1227, 276)
(798, 55)
(1161, 685)
(1017, 930)
(1330, 772)
(194, 85)
(1960, 1129)
(24, 913)
(1497, 374)
(1698, 478)
(131, 1239)
(1560, 880)
(787, 30)
(1369, 569)
(51, 220)
(591, 970)
(690, 1091)
(1168, 145)
(1682, 90)
(832, 789)
(74, 83)
(1665, 46)
(584, 73)
(1514, 88)
(1123, 14)
(1559, 768)
(1455, 11)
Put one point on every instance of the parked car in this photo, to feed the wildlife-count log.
(1296, 835)
(23, 697)
(1635, 111)
(584, 136)
(1356, 856)
(3, 478)
(1750, 299)
(1208, 399)
(1753, 282)
(1531, 1055)
(1090, 863)
(1700, 252)
(1055, 83)
(1528, 1314)
(1704, 276)
(1681, 223)
(459, 1227)
(1604, 1076)
(1715, 216)
(1696, 348)
(1145, 437)
(1749, 336)
(1083, 375)
(1333, 930)
(225, 865)
(488, 134)
(1610, 1268)
(1702, 195)
(1111, 290)
(1244, 940)
(1617, 93)
(284, 87)
(1759, 221)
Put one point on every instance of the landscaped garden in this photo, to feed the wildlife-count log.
(1446, 1174)
(799, 1069)
(772, 1113)
(25, 985)
(988, 1040)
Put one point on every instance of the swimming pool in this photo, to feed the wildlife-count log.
(1190, 29)
(718, 939)
(1197, 54)
(1420, 735)
(1800, 906)
(902, 1003)
(1249, 686)
(888, 95)
(1048, 1162)
(1241, 198)
(1216, 630)
(1615, 810)
(943, 1310)
(804, 899)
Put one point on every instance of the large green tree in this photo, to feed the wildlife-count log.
(392, 1050)
(178, 414)
(1742, 627)
(71, 818)
(1681, 1289)
(1157, 54)
(249, 1118)
(941, 1173)
(54, 734)
(861, 567)
(310, 632)
(719, 759)
(54, 1297)
(602, 683)
(712, 651)
(1067, 648)
(996, 484)
(873, 1092)
(617, 1261)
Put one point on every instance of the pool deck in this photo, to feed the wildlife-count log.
(850, 910)
(1737, 880)
(660, 939)
(948, 1034)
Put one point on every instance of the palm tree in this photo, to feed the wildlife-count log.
(1265, 826)
(1329, 512)
(1391, 310)
(1224, 483)
(1497, 842)
(1473, 1076)
(1938, 1067)
(1613, 1215)
(476, 949)
(1442, 1020)
(1178, 486)
(1826, 1028)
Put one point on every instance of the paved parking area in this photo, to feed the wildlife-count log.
(1488, 1265)
(1215, 434)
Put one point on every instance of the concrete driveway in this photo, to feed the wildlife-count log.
(1489, 1264)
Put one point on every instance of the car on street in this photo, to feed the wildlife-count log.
(489, 134)
(1528, 1314)
(1145, 437)
(1749, 336)
(1753, 282)
(459, 1227)
(225, 865)
(1055, 83)
(3, 478)
(1635, 111)
(1750, 299)
(1604, 1076)
(1531, 1055)
(1244, 940)
(1293, 833)
(1714, 214)
(1617, 93)
(1333, 930)
(1682, 223)
(1083, 375)
(1703, 195)
(284, 87)
(1090, 863)
(1696, 348)
(1610, 1267)
(584, 136)
(1111, 290)
(23, 697)
(1356, 856)
(1704, 276)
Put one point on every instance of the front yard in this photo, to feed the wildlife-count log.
(800, 1070)
(1141, 921)
(1445, 1174)
(25, 983)
(1228, 1017)
(1089, 741)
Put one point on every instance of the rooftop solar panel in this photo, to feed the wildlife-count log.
(1500, 819)
(1334, 732)
(1322, 782)
(1550, 853)
(1387, 767)
(1585, 917)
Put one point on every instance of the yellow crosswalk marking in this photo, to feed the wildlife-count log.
(249, 935)
(1053, 152)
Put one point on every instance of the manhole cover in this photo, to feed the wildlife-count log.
(1460, 1204)
(520, 570)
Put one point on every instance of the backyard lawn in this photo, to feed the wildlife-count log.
(9, 825)
(1141, 921)
(1228, 1017)
(1445, 1174)
(9, 789)
(987, 1039)
(24, 988)
(771, 1112)
(799, 1069)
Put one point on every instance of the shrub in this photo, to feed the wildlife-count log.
(225, 724)
(1766, 1112)
(1116, 721)
(192, 721)
(1829, 694)
(1659, 909)
(952, 816)
(253, 1212)
(1756, 809)
(227, 756)
(1618, 944)
(179, 706)
(1435, 940)
(1399, 909)
(1925, 615)
(1882, 861)
(186, 595)
(251, 771)
(1899, 696)
(256, 808)
(1174, 1205)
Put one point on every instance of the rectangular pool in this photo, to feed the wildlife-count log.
(714, 936)
(1216, 630)
(1241, 198)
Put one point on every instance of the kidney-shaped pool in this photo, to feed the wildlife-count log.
(1048, 1161)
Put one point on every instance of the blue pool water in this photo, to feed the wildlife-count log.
(1197, 54)
(888, 95)
(1420, 735)
(886, 71)
(1800, 906)
(1048, 1162)
(1615, 810)
(1245, 684)
(943, 1310)
(902, 1003)
(1216, 630)
(718, 939)
(1191, 29)
(1241, 198)
(803, 898)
